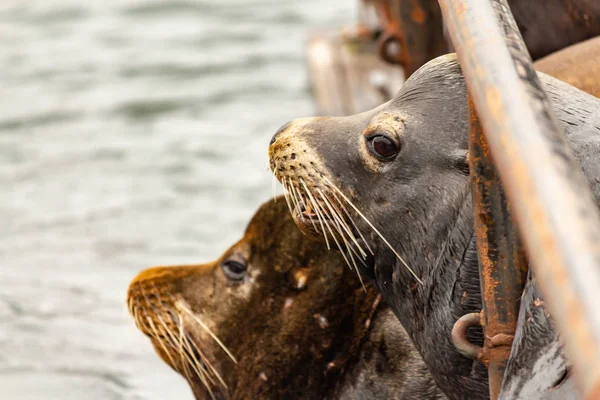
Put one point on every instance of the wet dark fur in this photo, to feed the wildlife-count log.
(288, 352)
(421, 202)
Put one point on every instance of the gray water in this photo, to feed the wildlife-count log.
(132, 133)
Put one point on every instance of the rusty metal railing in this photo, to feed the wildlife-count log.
(502, 263)
(549, 197)
(412, 32)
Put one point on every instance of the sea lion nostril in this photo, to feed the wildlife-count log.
(283, 128)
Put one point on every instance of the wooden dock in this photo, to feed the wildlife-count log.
(347, 76)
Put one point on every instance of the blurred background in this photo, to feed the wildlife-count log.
(132, 133)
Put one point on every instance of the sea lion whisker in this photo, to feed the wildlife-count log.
(157, 295)
(160, 341)
(342, 223)
(166, 331)
(136, 317)
(205, 360)
(338, 245)
(351, 219)
(273, 181)
(148, 319)
(294, 195)
(196, 364)
(290, 195)
(188, 359)
(362, 261)
(195, 318)
(182, 354)
(147, 299)
(286, 195)
(312, 202)
(320, 216)
(206, 380)
(351, 251)
(134, 313)
(207, 329)
(338, 228)
(374, 229)
(294, 199)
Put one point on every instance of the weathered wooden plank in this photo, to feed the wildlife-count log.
(347, 76)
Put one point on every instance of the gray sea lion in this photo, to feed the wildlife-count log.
(297, 322)
(391, 186)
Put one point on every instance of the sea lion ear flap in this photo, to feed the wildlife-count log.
(461, 161)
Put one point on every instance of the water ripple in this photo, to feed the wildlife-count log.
(132, 133)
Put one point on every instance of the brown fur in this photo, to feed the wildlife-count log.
(299, 323)
(578, 65)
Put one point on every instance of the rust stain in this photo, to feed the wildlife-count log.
(502, 277)
(418, 15)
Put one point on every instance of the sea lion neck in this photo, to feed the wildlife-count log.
(434, 261)
(430, 254)
(449, 272)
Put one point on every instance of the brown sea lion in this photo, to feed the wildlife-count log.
(578, 65)
(551, 25)
(277, 316)
(391, 186)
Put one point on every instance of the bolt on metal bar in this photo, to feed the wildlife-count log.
(552, 204)
(502, 263)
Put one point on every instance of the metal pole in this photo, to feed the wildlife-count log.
(502, 263)
(557, 218)
(412, 32)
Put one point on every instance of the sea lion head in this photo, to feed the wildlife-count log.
(386, 175)
(390, 187)
(271, 318)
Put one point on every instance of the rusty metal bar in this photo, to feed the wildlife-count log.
(502, 263)
(552, 204)
(412, 32)
(421, 30)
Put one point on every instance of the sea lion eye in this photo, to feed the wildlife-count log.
(382, 147)
(234, 270)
